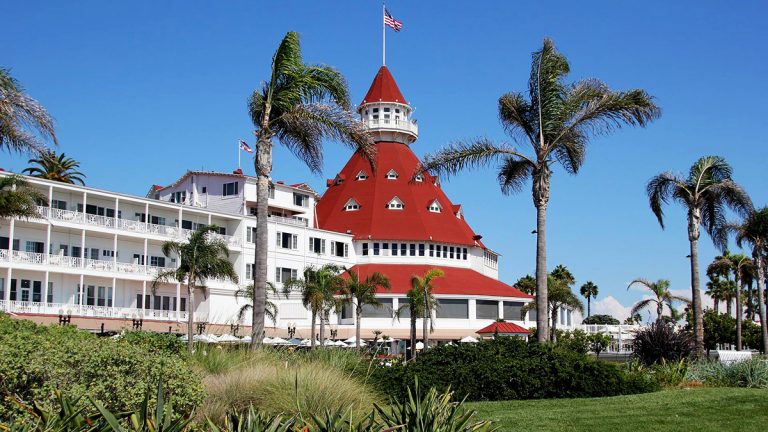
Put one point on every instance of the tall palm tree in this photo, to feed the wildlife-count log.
(317, 289)
(201, 257)
(589, 291)
(753, 231)
(560, 297)
(715, 291)
(270, 308)
(705, 193)
(300, 105)
(363, 292)
(739, 263)
(747, 275)
(18, 198)
(23, 121)
(415, 308)
(57, 168)
(423, 284)
(557, 120)
(661, 296)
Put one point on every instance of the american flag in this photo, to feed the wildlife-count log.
(244, 146)
(390, 21)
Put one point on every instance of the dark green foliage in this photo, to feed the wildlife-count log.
(718, 329)
(576, 341)
(36, 361)
(510, 368)
(661, 342)
(753, 338)
(601, 319)
(154, 342)
(598, 342)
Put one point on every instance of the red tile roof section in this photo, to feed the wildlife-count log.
(503, 327)
(414, 222)
(457, 281)
(384, 89)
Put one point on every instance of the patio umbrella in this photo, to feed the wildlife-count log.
(268, 341)
(419, 345)
(280, 341)
(228, 338)
(468, 339)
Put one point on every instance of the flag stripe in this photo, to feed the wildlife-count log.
(390, 21)
(244, 146)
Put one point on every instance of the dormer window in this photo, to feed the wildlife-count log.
(395, 204)
(339, 179)
(392, 175)
(419, 178)
(351, 205)
(362, 175)
(435, 207)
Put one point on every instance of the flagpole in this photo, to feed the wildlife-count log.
(238, 155)
(383, 35)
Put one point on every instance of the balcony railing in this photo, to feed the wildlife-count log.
(79, 263)
(405, 125)
(289, 221)
(27, 307)
(124, 224)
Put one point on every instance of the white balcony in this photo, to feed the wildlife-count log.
(125, 225)
(395, 125)
(89, 311)
(61, 261)
(288, 221)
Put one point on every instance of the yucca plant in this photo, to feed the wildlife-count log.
(253, 421)
(70, 416)
(160, 419)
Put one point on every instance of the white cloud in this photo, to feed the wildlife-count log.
(610, 306)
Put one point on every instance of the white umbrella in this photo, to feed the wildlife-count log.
(468, 339)
(280, 341)
(353, 339)
(340, 344)
(329, 342)
(228, 338)
(419, 345)
(268, 341)
(246, 339)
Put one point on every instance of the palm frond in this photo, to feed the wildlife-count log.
(660, 190)
(24, 122)
(461, 155)
(18, 198)
(514, 173)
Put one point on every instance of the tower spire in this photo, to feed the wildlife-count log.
(383, 34)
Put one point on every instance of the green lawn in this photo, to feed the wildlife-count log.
(702, 409)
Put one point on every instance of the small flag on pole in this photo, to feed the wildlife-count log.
(391, 21)
(244, 146)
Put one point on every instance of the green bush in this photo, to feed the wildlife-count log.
(577, 340)
(510, 368)
(751, 373)
(661, 343)
(35, 361)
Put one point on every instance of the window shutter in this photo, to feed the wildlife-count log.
(277, 274)
(322, 246)
(333, 248)
(295, 241)
(346, 250)
(278, 238)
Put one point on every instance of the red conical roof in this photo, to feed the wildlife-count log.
(384, 89)
(414, 222)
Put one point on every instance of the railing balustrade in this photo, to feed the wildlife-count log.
(289, 221)
(88, 311)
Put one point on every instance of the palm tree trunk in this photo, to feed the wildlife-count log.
(750, 302)
(542, 303)
(758, 258)
(312, 331)
(358, 312)
(659, 310)
(553, 329)
(738, 311)
(322, 329)
(425, 323)
(413, 334)
(698, 320)
(589, 306)
(263, 170)
(190, 319)
(716, 303)
(729, 306)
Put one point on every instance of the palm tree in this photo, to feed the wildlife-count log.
(300, 105)
(57, 168)
(18, 198)
(317, 288)
(424, 285)
(589, 291)
(739, 263)
(715, 291)
(361, 293)
(201, 257)
(23, 121)
(661, 297)
(415, 308)
(560, 296)
(556, 120)
(753, 231)
(270, 308)
(705, 193)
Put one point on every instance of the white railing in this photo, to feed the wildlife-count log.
(76, 263)
(27, 257)
(123, 224)
(609, 329)
(289, 221)
(406, 125)
(89, 311)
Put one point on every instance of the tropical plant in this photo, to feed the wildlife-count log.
(557, 121)
(740, 264)
(753, 231)
(716, 291)
(423, 285)
(661, 342)
(705, 193)
(363, 292)
(561, 296)
(589, 291)
(270, 308)
(300, 105)
(318, 289)
(601, 319)
(59, 168)
(599, 342)
(414, 308)
(661, 296)
(23, 121)
(526, 284)
(18, 198)
(201, 257)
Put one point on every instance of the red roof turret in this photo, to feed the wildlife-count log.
(384, 89)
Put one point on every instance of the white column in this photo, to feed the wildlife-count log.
(114, 249)
(143, 295)
(82, 290)
(8, 283)
(47, 249)
(178, 302)
(146, 258)
(82, 248)
(44, 300)
(114, 292)
(146, 216)
(117, 211)
(11, 231)
(501, 310)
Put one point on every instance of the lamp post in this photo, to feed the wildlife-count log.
(65, 319)
(234, 328)
(334, 333)
(291, 330)
(200, 328)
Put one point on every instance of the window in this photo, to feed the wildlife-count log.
(49, 297)
(386, 110)
(249, 271)
(403, 249)
(106, 253)
(439, 252)
(453, 308)
(413, 249)
(513, 311)
(376, 248)
(361, 175)
(445, 251)
(250, 234)
(451, 252)
(317, 245)
(431, 250)
(2, 288)
(487, 309)
(37, 291)
(284, 274)
(392, 175)
(395, 204)
(419, 178)
(351, 205)
(300, 200)
(59, 204)
(287, 240)
(435, 207)
(179, 197)
(464, 254)
(157, 220)
(229, 189)
(394, 249)
(365, 249)
(35, 247)
(205, 190)
(421, 249)
(405, 310)
(156, 261)
(383, 311)
(137, 258)
(385, 248)
(341, 249)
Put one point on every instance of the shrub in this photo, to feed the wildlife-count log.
(751, 373)
(37, 360)
(510, 368)
(577, 340)
(601, 319)
(661, 342)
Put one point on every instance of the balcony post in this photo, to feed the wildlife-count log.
(117, 211)
(47, 278)
(11, 231)
(47, 248)
(178, 301)
(114, 294)
(82, 248)
(8, 282)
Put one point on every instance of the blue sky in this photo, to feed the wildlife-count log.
(144, 90)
